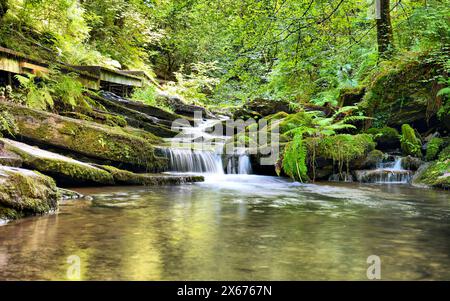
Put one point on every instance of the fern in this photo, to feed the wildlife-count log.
(294, 158)
(36, 96)
(7, 124)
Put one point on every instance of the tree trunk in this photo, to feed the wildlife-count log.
(384, 28)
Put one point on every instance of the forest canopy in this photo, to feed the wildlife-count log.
(227, 52)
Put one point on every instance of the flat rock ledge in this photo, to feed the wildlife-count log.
(124, 177)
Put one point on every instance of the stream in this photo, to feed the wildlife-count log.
(236, 227)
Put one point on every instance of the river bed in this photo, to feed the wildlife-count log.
(236, 227)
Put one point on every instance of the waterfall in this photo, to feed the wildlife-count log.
(239, 164)
(386, 173)
(186, 160)
(183, 156)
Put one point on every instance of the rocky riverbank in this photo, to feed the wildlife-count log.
(48, 150)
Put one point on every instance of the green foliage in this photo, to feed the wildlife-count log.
(194, 87)
(37, 94)
(42, 93)
(341, 148)
(433, 148)
(68, 89)
(444, 111)
(294, 158)
(385, 135)
(7, 124)
(322, 140)
(409, 142)
(146, 94)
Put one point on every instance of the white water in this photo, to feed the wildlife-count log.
(386, 173)
(186, 160)
(187, 152)
(239, 164)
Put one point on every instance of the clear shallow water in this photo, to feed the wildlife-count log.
(236, 227)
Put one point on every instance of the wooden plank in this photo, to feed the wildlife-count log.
(9, 65)
(26, 67)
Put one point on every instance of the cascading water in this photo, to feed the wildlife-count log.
(386, 173)
(183, 156)
(186, 160)
(239, 163)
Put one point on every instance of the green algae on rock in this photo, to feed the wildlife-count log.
(64, 169)
(24, 192)
(129, 178)
(87, 138)
(435, 173)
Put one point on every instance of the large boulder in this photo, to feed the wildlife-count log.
(259, 108)
(112, 144)
(435, 173)
(64, 170)
(24, 192)
(182, 108)
(406, 91)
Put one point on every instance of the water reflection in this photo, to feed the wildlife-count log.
(236, 227)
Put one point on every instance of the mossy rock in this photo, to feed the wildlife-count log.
(372, 159)
(433, 147)
(129, 178)
(343, 150)
(24, 192)
(350, 96)
(260, 108)
(99, 117)
(9, 158)
(65, 170)
(411, 163)
(405, 91)
(136, 116)
(387, 138)
(93, 140)
(434, 174)
(410, 143)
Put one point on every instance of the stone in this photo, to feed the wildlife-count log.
(97, 141)
(66, 171)
(125, 177)
(24, 192)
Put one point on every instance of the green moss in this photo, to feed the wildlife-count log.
(409, 142)
(373, 157)
(130, 178)
(58, 166)
(445, 153)
(437, 174)
(91, 139)
(342, 148)
(26, 193)
(433, 148)
(9, 213)
(402, 91)
(385, 137)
